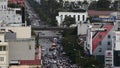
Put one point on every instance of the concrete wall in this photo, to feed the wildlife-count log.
(82, 29)
(21, 32)
(2, 37)
(23, 49)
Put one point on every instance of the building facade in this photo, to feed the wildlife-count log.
(9, 15)
(80, 17)
(99, 38)
(4, 52)
(116, 49)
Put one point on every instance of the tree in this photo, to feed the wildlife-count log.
(47, 10)
(85, 2)
(92, 5)
(115, 5)
(68, 21)
(103, 4)
(12, 5)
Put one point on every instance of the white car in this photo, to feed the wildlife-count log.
(54, 61)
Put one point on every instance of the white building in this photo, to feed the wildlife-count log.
(116, 49)
(9, 15)
(112, 57)
(80, 17)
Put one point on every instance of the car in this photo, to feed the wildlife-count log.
(43, 49)
(54, 61)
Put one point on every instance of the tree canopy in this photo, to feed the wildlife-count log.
(103, 4)
(68, 21)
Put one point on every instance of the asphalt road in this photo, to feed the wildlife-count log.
(54, 58)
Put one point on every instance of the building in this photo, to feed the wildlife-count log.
(4, 50)
(99, 13)
(9, 15)
(80, 16)
(28, 64)
(116, 49)
(21, 2)
(99, 38)
(12, 1)
(21, 31)
(16, 42)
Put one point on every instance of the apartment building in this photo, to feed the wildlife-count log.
(16, 42)
(116, 50)
(4, 49)
(12, 48)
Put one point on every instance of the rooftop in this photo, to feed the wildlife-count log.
(98, 13)
(30, 62)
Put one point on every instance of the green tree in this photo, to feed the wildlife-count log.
(103, 4)
(12, 5)
(92, 5)
(68, 21)
(47, 10)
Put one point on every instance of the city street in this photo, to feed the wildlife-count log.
(50, 41)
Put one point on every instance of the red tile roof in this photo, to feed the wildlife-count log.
(17, 1)
(12, 1)
(96, 40)
(30, 62)
(98, 13)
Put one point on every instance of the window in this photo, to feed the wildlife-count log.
(29, 47)
(78, 17)
(2, 48)
(74, 16)
(100, 49)
(61, 17)
(100, 43)
(100, 36)
(108, 48)
(109, 36)
(109, 43)
(65, 15)
(83, 17)
(69, 15)
(1, 59)
(88, 45)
